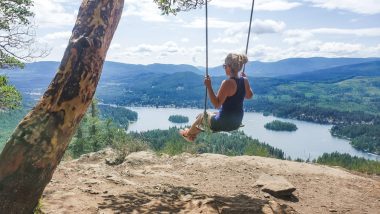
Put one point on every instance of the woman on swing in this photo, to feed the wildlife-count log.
(229, 99)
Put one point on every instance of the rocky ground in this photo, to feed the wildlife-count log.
(207, 183)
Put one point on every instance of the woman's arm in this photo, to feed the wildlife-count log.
(217, 100)
(248, 89)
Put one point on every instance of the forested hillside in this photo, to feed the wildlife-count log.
(345, 95)
(337, 74)
(294, 66)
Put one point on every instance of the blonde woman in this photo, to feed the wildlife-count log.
(229, 99)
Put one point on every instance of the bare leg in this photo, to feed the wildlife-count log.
(194, 130)
(192, 133)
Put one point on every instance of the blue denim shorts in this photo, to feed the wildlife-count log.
(225, 122)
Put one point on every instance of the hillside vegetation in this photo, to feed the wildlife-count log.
(178, 119)
(278, 125)
(365, 137)
(347, 96)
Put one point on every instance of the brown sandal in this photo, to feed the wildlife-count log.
(184, 134)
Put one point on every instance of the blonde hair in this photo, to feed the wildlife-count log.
(236, 61)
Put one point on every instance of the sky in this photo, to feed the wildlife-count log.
(281, 29)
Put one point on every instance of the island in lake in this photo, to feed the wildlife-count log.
(178, 119)
(277, 125)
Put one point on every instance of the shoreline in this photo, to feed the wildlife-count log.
(374, 156)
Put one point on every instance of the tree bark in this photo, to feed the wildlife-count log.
(37, 145)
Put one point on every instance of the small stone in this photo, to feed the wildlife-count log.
(187, 197)
(266, 195)
(333, 210)
(275, 185)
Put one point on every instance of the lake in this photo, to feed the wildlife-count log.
(309, 141)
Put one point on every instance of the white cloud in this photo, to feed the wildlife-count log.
(185, 40)
(356, 6)
(339, 48)
(312, 48)
(296, 36)
(277, 5)
(213, 23)
(374, 50)
(258, 26)
(229, 40)
(65, 35)
(53, 14)
(147, 10)
(262, 5)
(271, 39)
(264, 53)
(149, 49)
(239, 31)
(267, 26)
(168, 52)
(115, 46)
(368, 32)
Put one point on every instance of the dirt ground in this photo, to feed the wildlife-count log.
(206, 183)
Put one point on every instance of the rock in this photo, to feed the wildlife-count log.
(187, 197)
(281, 208)
(266, 195)
(90, 191)
(140, 159)
(115, 160)
(118, 180)
(90, 181)
(96, 156)
(275, 185)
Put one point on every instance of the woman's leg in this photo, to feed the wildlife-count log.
(194, 130)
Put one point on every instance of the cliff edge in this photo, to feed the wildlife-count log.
(207, 183)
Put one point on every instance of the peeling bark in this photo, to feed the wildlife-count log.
(36, 147)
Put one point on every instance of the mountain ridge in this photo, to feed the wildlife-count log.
(255, 68)
(336, 74)
(294, 66)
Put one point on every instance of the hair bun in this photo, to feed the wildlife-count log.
(244, 58)
(236, 61)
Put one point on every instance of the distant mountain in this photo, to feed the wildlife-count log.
(116, 68)
(34, 76)
(39, 74)
(336, 74)
(292, 66)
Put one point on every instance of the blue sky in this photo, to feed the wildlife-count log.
(281, 29)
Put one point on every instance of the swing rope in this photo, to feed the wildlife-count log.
(205, 106)
(205, 117)
(249, 31)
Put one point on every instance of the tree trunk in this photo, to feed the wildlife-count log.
(36, 147)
